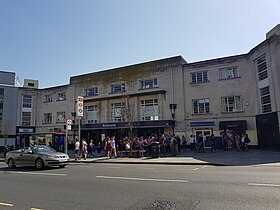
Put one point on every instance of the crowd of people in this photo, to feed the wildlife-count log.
(167, 144)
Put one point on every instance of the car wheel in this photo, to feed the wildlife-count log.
(39, 164)
(11, 163)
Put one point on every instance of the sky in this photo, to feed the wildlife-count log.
(52, 40)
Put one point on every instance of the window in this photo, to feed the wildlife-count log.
(60, 117)
(199, 77)
(118, 88)
(26, 119)
(228, 73)
(231, 104)
(149, 109)
(31, 84)
(91, 114)
(61, 96)
(265, 99)
(117, 112)
(48, 118)
(262, 68)
(201, 106)
(48, 98)
(26, 101)
(91, 91)
(151, 83)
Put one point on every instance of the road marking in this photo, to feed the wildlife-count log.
(35, 209)
(184, 169)
(195, 169)
(6, 204)
(146, 168)
(142, 179)
(264, 185)
(113, 167)
(35, 173)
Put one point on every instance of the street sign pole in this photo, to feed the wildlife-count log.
(66, 138)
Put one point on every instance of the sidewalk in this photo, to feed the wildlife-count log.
(187, 157)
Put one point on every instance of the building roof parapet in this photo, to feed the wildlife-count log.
(151, 65)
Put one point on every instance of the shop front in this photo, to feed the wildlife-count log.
(24, 136)
(238, 126)
(98, 131)
(204, 129)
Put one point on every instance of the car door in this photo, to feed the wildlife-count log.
(26, 157)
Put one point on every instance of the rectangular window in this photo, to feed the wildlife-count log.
(48, 98)
(199, 77)
(26, 101)
(91, 91)
(150, 83)
(232, 104)
(262, 68)
(149, 109)
(91, 114)
(26, 119)
(61, 96)
(228, 73)
(265, 100)
(48, 118)
(201, 106)
(61, 117)
(118, 88)
(117, 112)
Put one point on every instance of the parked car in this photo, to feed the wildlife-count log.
(39, 156)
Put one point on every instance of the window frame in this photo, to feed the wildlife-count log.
(92, 91)
(117, 112)
(63, 98)
(206, 108)
(264, 95)
(155, 109)
(262, 67)
(227, 106)
(114, 88)
(47, 118)
(203, 77)
(26, 122)
(63, 119)
(148, 83)
(227, 73)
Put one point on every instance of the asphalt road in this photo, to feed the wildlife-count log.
(151, 187)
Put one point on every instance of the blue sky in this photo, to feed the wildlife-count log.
(52, 40)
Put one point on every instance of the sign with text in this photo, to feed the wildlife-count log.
(80, 106)
(69, 123)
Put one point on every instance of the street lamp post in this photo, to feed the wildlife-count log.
(172, 109)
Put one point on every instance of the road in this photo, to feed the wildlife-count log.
(152, 187)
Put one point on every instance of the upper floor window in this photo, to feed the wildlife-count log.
(26, 119)
(118, 88)
(48, 98)
(26, 101)
(117, 112)
(201, 106)
(265, 99)
(149, 109)
(199, 77)
(231, 104)
(61, 117)
(47, 118)
(61, 96)
(262, 68)
(228, 73)
(91, 91)
(150, 83)
(91, 113)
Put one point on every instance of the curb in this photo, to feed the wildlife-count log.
(150, 163)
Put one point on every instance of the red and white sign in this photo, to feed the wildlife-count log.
(69, 123)
(80, 106)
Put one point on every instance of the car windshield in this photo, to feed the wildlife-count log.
(43, 148)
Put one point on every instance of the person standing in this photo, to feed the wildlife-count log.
(84, 148)
(212, 142)
(91, 148)
(108, 147)
(114, 149)
(77, 149)
(184, 142)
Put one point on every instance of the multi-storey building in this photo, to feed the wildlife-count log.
(8, 108)
(238, 93)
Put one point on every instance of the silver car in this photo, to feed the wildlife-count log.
(39, 156)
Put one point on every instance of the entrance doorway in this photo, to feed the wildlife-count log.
(206, 133)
